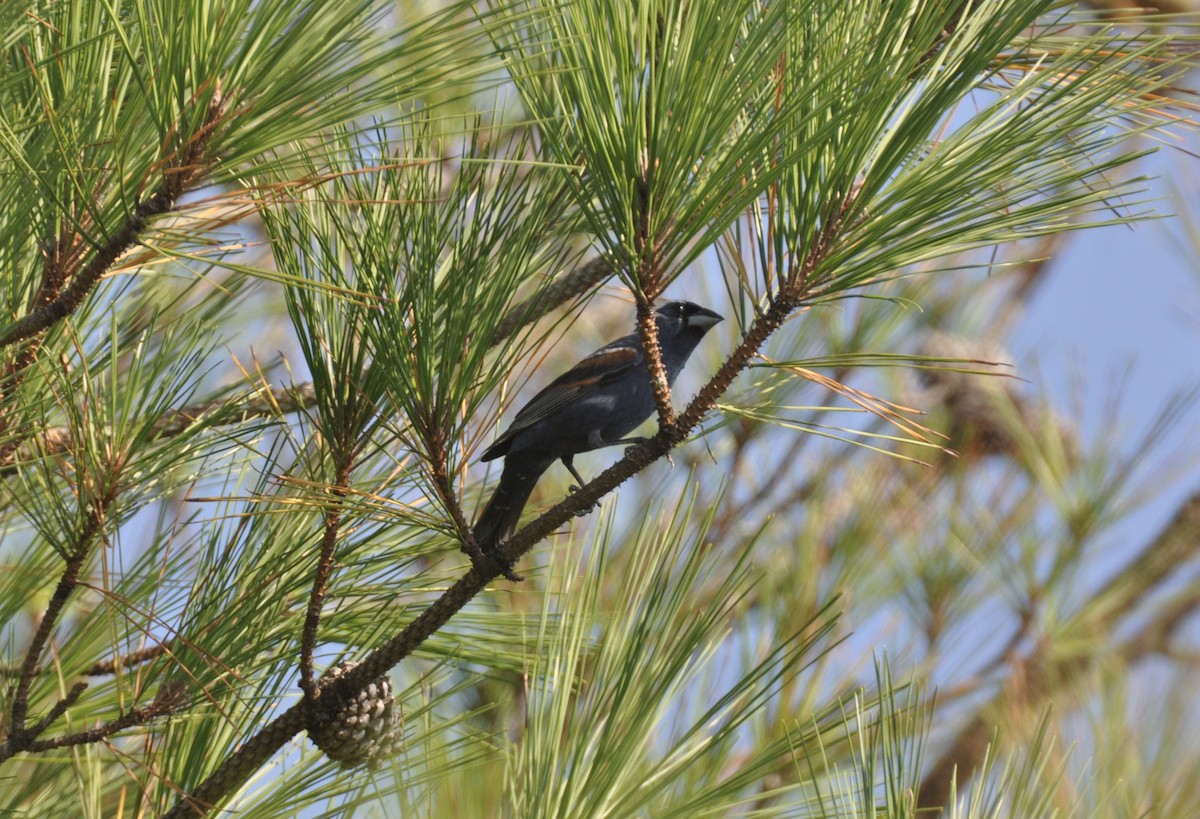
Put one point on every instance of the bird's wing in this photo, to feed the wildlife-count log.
(600, 368)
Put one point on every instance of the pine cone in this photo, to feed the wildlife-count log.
(366, 731)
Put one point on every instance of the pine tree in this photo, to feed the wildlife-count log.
(275, 270)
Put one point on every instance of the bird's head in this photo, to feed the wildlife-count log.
(680, 317)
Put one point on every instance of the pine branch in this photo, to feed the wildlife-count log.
(58, 601)
(648, 332)
(182, 171)
(1034, 678)
(168, 701)
(58, 709)
(260, 404)
(20, 737)
(65, 285)
(59, 258)
(105, 667)
(244, 762)
(265, 403)
(572, 285)
(130, 660)
(312, 617)
(282, 400)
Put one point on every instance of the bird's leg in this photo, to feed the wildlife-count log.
(569, 462)
(634, 441)
(596, 442)
(629, 442)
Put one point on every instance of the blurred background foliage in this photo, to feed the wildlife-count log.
(275, 272)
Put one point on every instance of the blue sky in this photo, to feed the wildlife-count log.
(1121, 309)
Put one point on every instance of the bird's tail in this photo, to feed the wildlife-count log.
(499, 518)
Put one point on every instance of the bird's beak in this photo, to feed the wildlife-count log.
(704, 318)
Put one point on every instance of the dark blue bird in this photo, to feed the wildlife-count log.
(594, 404)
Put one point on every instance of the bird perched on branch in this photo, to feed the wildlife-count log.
(594, 404)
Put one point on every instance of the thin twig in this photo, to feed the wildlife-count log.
(441, 483)
(168, 700)
(55, 299)
(258, 404)
(312, 618)
(129, 660)
(20, 737)
(136, 716)
(58, 601)
(55, 258)
(58, 709)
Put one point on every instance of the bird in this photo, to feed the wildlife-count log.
(595, 404)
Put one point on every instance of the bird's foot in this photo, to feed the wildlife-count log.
(573, 488)
(512, 576)
(582, 513)
(633, 443)
(488, 562)
(498, 565)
